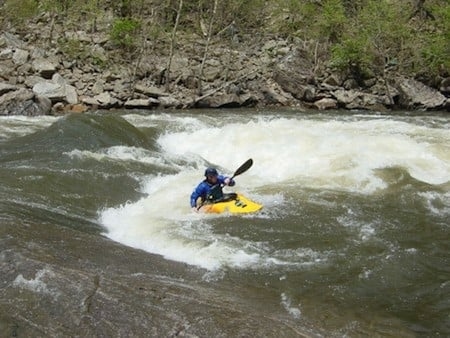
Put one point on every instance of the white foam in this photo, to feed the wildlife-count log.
(287, 153)
(170, 240)
(437, 203)
(15, 126)
(286, 302)
(125, 154)
(331, 154)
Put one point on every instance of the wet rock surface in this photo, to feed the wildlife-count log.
(91, 286)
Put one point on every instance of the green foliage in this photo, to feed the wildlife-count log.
(365, 34)
(385, 28)
(437, 47)
(74, 49)
(380, 31)
(332, 20)
(426, 47)
(19, 11)
(124, 32)
(351, 53)
(435, 54)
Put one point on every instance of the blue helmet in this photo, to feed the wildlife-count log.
(211, 172)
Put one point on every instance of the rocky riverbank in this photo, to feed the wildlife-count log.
(37, 80)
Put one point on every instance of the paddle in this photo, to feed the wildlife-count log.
(242, 169)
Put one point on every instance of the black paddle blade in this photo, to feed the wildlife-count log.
(244, 167)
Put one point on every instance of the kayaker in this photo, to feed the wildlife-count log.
(210, 189)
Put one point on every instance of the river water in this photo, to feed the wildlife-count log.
(98, 239)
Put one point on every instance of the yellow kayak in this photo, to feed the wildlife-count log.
(237, 205)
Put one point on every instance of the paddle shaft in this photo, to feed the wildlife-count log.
(243, 168)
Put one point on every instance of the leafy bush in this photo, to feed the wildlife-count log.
(124, 32)
(351, 54)
(332, 20)
(436, 51)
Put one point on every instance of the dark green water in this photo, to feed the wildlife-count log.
(98, 239)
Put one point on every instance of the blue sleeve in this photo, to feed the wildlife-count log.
(199, 191)
(221, 179)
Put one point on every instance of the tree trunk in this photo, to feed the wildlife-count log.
(172, 44)
(205, 54)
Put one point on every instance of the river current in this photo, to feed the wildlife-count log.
(98, 239)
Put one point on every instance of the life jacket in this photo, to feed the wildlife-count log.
(215, 193)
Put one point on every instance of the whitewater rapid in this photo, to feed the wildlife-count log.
(288, 153)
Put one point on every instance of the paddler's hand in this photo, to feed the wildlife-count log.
(194, 209)
(229, 181)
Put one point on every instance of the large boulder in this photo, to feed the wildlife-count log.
(56, 89)
(354, 99)
(326, 103)
(103, 100)
(141, 103)
(44, 67)
(224, 100)
(24, 102)
(294, 75)
(415, 94)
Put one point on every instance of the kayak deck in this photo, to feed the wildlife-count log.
(238, 205)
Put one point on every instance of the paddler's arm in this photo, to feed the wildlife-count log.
(198, 192)
(227, 181)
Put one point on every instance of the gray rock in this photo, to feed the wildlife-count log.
(445, 86)
(71, 94)
(6, 69)
(20, 56)
(169, 102)
(57, 90)
(90, 101)
(44, 68)
(415, 94)
(30, 81)
(227, 101)
(58, 79)
(141, 103)
(326, 103)
(103, 100)
(354, 99)
(12, 41)
(150, 91)
(6, 87)
(98, 87)
(6, 53)
(21, 94)
(23, 102)
(54, 91)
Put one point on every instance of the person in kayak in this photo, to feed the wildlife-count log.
(210, 189)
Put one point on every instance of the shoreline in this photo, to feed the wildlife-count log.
(273, 73)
